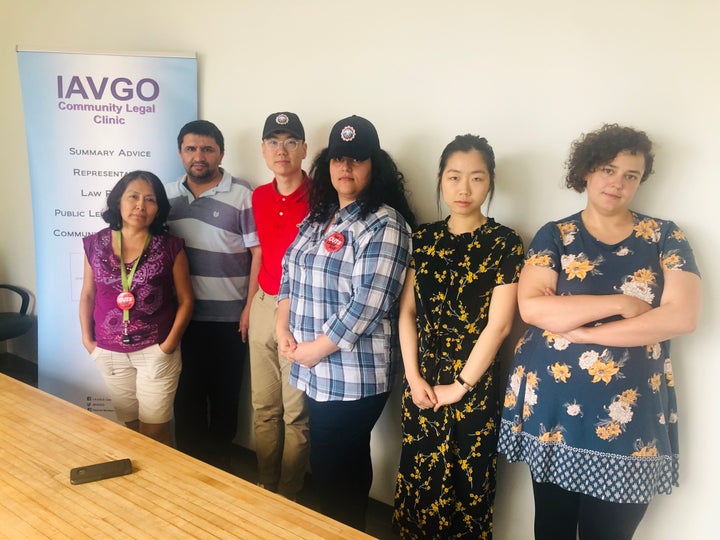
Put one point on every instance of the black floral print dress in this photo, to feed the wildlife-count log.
(446, 481)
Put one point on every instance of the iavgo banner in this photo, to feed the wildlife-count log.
(89, 119)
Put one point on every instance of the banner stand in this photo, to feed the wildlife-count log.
(89, 119)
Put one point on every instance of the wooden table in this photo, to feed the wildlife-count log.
(168, 495)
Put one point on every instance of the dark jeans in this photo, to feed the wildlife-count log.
(561, 515)
(206, 403)
(340, 455)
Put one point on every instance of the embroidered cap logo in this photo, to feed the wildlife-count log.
(347, 134)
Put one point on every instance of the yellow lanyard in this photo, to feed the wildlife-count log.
(125, 278)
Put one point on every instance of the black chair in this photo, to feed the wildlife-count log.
(15, 324)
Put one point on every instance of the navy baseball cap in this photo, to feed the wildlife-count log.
(353, 137)
(284, 122)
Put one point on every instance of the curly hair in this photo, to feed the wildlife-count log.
(598, 148)
(387, 186)
(111, 215)
(467, 143)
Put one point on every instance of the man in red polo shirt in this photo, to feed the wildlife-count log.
(281, 421)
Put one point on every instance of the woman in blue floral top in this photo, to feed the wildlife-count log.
(590, 404)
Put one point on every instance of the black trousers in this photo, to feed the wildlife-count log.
(564, 515)
(206, 403)
(340, 456)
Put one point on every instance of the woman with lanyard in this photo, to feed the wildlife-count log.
(135, 303)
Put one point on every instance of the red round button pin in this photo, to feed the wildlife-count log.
(334, 242)
(125, 300)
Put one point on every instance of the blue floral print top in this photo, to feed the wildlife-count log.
(593, 419)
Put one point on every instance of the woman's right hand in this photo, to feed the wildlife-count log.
(90, 345)
(286, 343)
(632, 307)
(628, 306)
(423, 395)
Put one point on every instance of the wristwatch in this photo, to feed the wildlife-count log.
(467, 386)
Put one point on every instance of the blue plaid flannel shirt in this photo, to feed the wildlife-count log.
(352, 296)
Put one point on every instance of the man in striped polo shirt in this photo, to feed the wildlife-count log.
(212, 211)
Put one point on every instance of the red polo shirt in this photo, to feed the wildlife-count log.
(277, 218)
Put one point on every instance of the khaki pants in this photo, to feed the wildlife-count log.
(281, 420)
(141, 384)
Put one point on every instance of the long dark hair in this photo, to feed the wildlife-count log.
(387, 186)
(112, 215)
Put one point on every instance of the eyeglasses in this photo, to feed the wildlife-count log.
(290, 144)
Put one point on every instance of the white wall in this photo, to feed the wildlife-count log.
(530, 76)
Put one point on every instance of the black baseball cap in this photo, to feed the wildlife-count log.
(284, 122)
(353, 137)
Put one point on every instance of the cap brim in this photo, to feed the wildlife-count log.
(340, 152)
(288, 131)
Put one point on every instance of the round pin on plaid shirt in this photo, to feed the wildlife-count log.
(334, 242)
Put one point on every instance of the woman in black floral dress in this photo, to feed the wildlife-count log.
(456, 309)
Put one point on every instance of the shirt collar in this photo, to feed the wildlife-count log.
(223, 186)
(350, 211)
(299, 194)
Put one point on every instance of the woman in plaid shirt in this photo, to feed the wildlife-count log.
(338, 308)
